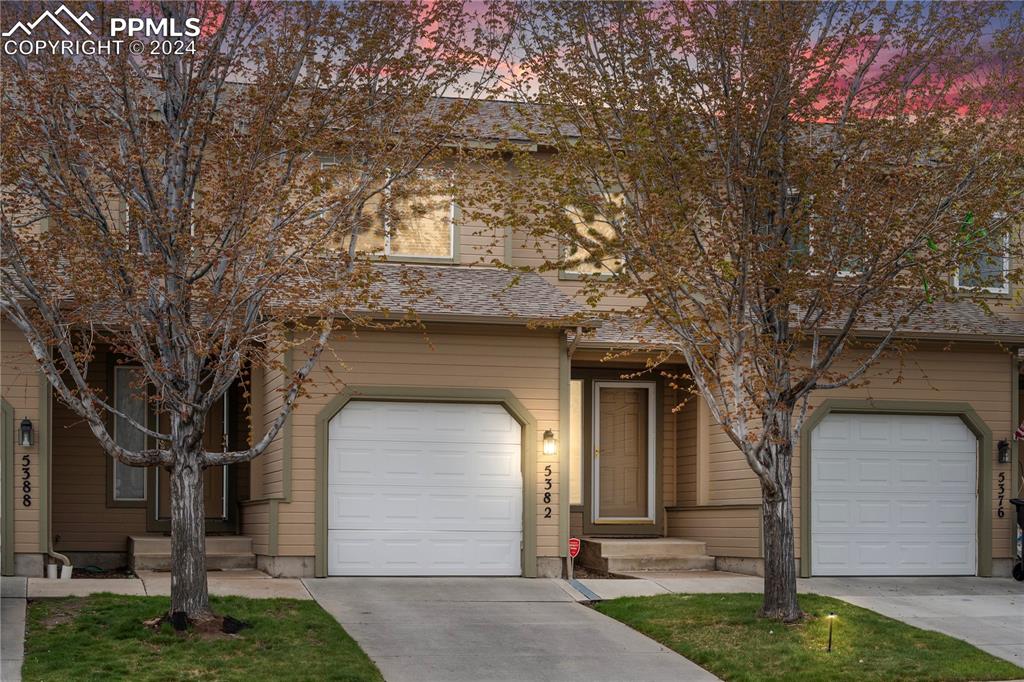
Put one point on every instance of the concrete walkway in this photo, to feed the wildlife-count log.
(239, 583)
(476, 629)
(232, 583)
(13, 592)
(985, 612)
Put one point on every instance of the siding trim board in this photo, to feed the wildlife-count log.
(1015, 417)
(564, 377)
(420, 394)
(963, 410)
(43, 431)
(7, 456)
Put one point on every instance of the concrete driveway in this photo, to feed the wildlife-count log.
(986, 612)
(476, 629)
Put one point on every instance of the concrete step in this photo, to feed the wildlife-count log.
(649, 547)
(690, 563)
(153, 552)
(622, 555)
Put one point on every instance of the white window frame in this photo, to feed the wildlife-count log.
(401, 256)
(566, 249)
(387, 252)
(1005, 288)
(113, 469)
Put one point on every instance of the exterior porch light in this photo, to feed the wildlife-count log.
(1003, 452)
(550, 446)
(26, 433)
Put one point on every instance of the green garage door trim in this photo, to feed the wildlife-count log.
(419, 394)
(962, 410)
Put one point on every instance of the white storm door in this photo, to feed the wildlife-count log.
(893, 494)
(424, 489)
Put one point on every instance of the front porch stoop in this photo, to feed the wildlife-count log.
(153, 552)
(626, 555)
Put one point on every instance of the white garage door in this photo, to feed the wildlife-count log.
(893, 495)
(424, 489)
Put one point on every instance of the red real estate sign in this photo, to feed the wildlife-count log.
(574, 547)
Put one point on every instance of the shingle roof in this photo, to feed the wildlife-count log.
(504, 120)
(948, 319)
(941, 320)
(623, 330)
(487, 293)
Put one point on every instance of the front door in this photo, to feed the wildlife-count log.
(623, 456)
(216, 483)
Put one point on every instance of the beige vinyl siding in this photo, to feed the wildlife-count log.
(686, 450)
(478, 244)
(271, 462)
(670, 446)
(255, 523)
(727, 531)
(522, 361)
(977, 374)
(526, 251)
(575, 524)
(20, 384)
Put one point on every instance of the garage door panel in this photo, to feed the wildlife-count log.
(469, 464)
(365, 508)
(874, 512)
(423, 423)
(893, 495)
(904, 555)
(352, 552)
(424, 489)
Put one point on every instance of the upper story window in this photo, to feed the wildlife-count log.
(414, 219)
(989, 270)
(592, 226)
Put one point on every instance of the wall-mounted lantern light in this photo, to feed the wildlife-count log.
(1003, 452)
(550, 446)
(26, 433)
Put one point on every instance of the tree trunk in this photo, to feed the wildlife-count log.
(780, 600)
(188, 539)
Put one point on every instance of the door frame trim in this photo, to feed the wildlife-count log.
(964, 411)
(528, 457)
(652, 453)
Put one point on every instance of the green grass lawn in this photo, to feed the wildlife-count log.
(721, 633)
(102, 638)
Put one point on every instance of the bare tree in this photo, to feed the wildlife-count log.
(786, 186)
(194, 210)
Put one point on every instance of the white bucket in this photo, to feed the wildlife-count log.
(51, 571)
(65, 572)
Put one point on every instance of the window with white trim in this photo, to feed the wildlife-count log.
(989, 270)
(413, 220)
(594, 227)
(129, 484)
